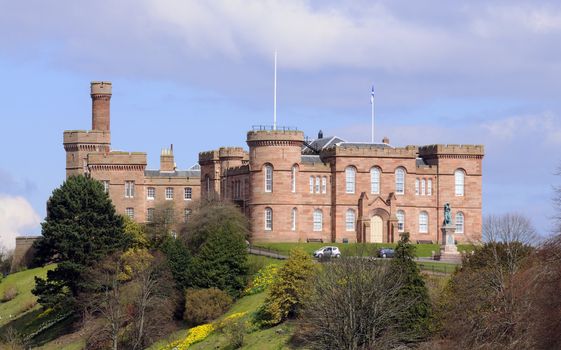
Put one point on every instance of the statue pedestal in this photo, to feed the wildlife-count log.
(448, 250)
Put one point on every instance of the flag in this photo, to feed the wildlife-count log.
(372, 95)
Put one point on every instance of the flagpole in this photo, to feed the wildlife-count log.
(372, 106)
(275, 96)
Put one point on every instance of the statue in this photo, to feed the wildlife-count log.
(447, 215)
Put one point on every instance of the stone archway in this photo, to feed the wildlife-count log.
(376, 229)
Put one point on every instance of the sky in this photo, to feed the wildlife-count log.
(199, 74)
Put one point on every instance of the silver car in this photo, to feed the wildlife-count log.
(327, 252)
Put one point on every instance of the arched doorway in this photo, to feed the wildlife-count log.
(376, 229)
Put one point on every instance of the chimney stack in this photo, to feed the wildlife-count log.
(320, 134)
(386, 140)
(101, 95)
(167, 162)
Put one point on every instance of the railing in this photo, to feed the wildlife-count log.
(272, 127)
(268, 252)
(437, 268)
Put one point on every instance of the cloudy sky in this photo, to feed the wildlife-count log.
(198, 74)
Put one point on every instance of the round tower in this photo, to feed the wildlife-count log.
(101, 97)
(281, 148)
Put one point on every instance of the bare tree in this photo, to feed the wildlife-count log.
(354, 304)
(507, 228)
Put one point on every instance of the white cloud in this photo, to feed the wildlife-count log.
(16, 216)
(546, 125)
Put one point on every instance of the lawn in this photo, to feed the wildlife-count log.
(24, 301)
(437, 267)
(356, 249)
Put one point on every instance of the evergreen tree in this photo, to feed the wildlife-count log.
(80, 230)
(416, 321)
(179, 262)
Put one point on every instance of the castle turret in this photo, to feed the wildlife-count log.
(101, 97)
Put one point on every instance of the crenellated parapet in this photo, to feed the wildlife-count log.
(225, 153)
(239, 170)
(452, 151)
(117, 161)
(281, 137)
(86, 137)
(373, 150)
(208, 157)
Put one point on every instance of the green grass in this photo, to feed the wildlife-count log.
(356, 249)
(24, 282)
(437, 267)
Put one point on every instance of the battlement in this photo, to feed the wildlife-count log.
(231, 152)
(373, 150)
(101, 87)
(238, 170)
(208, 156)
(117, 158)
(86, 136)
(453, 150)
(290, 135)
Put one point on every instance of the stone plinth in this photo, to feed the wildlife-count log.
(448, 250)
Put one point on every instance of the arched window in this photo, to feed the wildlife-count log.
(268, 219)
(417, 187)
(400, 220)
(399, 181)
(318, 220)
(375, 180)
(350, 175)
(350, 220)
(311, 184)
(268, 178)
(293, 177)
(318, 185)
(423, 222)
(423, 187)
(324, 185)
(429, 187)
(459, 222)
(459, 177)
(293, 216)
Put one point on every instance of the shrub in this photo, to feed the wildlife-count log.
(9, 293)
(235, 330)
(288, 290)
(204, 305)
(262, 280)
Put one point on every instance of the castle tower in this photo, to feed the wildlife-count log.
(79, 143)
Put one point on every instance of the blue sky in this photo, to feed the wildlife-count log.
(198, 74)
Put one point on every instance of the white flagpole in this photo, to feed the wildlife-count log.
(372, 105)
(275, 96)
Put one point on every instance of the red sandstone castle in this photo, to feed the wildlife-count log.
(293, 190)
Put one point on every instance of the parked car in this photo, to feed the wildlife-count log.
(327, 252)
(386, 253)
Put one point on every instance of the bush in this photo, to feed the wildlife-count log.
(288, 290)
(262, 280)
(235, 330)
(204, 305)
(9, 293)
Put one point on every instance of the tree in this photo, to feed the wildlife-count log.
(81, 228)
(416, 321)
(354, 304)
(162, 225)
(135, 233)
(287, 292)
(179, 261)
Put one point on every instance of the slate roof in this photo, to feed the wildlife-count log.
(320, 144)
(311, 158)
(420, 162)
(362, 145)
(177, 173)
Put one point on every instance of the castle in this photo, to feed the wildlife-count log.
(292, 189)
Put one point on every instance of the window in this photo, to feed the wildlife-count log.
(399, 181)
(268, 219)
(429, 187)
(324, 185)
(105, 186)
(459, 176)
(268, 178)
(375, 180)
(150, 193)
(350, 220)
(293, 177)
(129, 189)
(318, 184)
(423, 187)
(168, 216)
(423, 222)
(186, 215)
(311, 184)
(459, 222)
(400, 221)
(169, 193)
(188, 195)
(416, 187)
(293, 218)
(130, 212)
(350, 174)
(318, 220)
(207, 182)
(149, 214)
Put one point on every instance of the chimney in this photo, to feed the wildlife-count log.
(385, 140)
(320, 134)
(101, 95)
(167, 163)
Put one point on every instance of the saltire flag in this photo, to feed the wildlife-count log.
(372, 95)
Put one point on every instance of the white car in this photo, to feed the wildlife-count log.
(327, 252)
